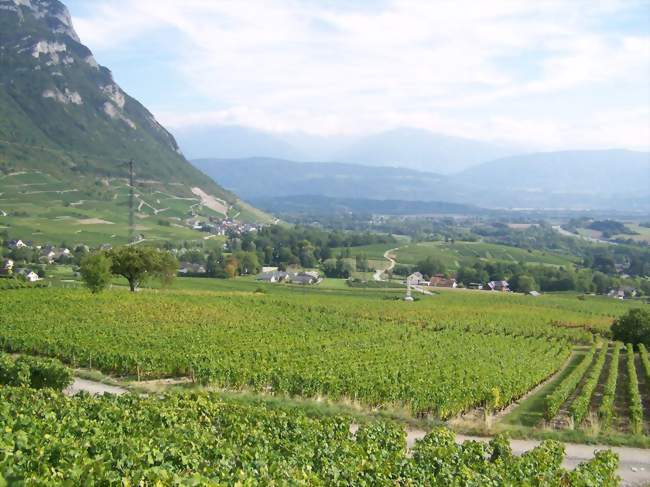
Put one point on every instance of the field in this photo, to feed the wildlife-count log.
(457, 254)
(45, 210)
(339, 344)
(200, 439)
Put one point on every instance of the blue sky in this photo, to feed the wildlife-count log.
(548, 74)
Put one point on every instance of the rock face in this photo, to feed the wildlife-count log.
(54, 95)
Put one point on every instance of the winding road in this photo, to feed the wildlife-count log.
(388, 255)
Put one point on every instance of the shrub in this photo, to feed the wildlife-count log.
(37, 373)
(633, 327)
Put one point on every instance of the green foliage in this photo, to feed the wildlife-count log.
(96, 271)
(439, 357)
(606, 408)
(633, 327)
(580, 405)
(137, 264)
(645, 362)
(561, 393)
(634, 397)
(199, 439)
(34, 372)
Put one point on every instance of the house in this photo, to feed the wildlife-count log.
(28, 274)
(416, 279)
(189, 268)
(272, 276)
(623, 292)
(442, 281)
(7, 267)
(47, 256)
(475, 285)
(16, 244)
(501, 286)
(305, 278)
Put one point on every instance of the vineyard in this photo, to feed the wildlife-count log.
(199, 439)
(607, 389)
(437, 357)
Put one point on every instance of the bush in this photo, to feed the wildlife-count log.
(633, 327)
(37, 373)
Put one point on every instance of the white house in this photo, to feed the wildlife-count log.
(29, 275)
(416, 279)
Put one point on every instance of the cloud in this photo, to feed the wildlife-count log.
(460, 67)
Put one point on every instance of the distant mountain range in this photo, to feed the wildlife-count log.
(63, 114)
(265, 177)
(579, 180)
(410, 148)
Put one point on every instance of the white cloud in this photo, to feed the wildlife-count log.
(460, 67)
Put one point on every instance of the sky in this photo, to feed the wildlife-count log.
(547, 74)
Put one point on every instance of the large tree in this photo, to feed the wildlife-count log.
(138, 264)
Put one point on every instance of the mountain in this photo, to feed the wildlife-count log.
(265, 177)
(572, 179)
(232, 142)
(420, 150)
(409, 148)
(65, 122)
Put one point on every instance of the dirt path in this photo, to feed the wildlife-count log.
(388, 255)
(93, 388)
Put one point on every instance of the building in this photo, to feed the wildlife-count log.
(187, 268)
(28, 274)
(442, 281)
(475, 285)
(534, 294)
(416, 279)
(6, 269)
(501, 286)
(16, 244)
(305, 278)
(272, 276)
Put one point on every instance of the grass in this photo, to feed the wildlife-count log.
(457, 254)
(530, 412)
(46, 210)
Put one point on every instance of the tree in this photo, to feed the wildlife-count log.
(523, 283)
(167, 268)
(633, 327)
(137, 264)
(430, 266)
(362, 263)
(96, 272)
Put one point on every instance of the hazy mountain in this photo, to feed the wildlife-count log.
(265, 177)
(405, 147)
(63, 114)
(589, 172)
(420, 150)
(232, 142)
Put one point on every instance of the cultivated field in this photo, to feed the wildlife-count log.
(457, 254)
(441, 356)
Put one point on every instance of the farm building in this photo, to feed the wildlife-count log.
(442, 281)
(187, 268)
(416, 279)
(305, 278)
(501, 286)
(272, 276)
(475, 285)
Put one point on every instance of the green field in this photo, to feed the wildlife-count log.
(340, 343)
(43, 209)
(457, 254)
